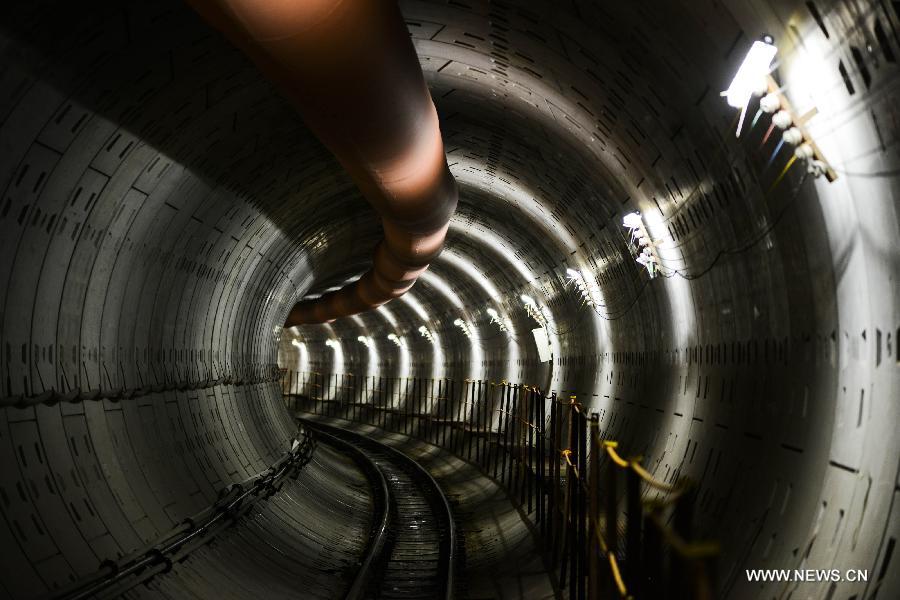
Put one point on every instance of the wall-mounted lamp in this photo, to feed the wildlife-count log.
(426, 333)
(750, 78)
(642, 245)
(467, 331)
(396, 340)
(495, 318)
(586, 286)
(753, 78)
(532, 309)
(365, 341)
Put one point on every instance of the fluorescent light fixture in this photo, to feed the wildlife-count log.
(751, 76)
(632, 220)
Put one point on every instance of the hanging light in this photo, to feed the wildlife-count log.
(632, 220)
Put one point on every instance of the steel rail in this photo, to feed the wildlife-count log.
(382, 498)
(450, 543)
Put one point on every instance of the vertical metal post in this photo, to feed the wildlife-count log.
(529, 447)
(612, 516)
(565, 529)
(593, 480)
(495, 440)
(504, 414)
(404, 406)
(443, 411)
(378, 402)
(650, 584)
(553, 457)
(582, 503)
(483, 430)
(472, 421)
(541, 462)
(458, 425)
(514, 446)
(683, 572)
(574, 485)
(419, 404)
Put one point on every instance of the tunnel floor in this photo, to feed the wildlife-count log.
(501, 558)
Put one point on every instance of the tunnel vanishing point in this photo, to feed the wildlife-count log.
(450, 299)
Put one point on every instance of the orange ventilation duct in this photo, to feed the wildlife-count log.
(351, 69)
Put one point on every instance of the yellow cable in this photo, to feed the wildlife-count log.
(614, 567)
(647, 477)
(611, 451)
(783, 173)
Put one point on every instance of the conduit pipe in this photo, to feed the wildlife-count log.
(350, 68)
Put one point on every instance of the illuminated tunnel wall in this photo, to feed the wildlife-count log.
(163, 209)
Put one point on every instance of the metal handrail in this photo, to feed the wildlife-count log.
(550, 464)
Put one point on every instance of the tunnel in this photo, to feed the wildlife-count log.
(707, 288)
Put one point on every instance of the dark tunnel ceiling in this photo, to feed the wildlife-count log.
(164, 208)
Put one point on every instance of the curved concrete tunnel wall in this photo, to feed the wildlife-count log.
(164, 208)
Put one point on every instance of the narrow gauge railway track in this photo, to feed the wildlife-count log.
(412, 548)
